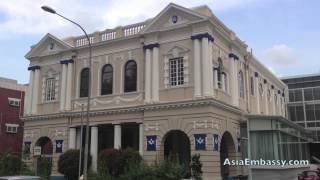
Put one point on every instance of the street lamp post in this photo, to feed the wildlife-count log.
(86, 148)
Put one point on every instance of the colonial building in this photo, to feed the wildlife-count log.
(177, 84)
(11, 110)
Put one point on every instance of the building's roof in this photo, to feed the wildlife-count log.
(12, 84)
(300, 76)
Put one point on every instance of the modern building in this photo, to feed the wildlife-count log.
(11, 110)
(179, 83)
(304, 106)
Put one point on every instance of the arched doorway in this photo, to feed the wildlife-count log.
(44, 161)
(227, 150)
(177, 148)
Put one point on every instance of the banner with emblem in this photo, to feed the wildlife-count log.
(216, 142)
(59, 145)
(200, 141)
(27, 147)
(151, 143)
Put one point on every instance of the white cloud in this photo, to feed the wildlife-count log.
(26, 16)
(280, 54)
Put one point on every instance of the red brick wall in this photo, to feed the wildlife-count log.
(10, 142)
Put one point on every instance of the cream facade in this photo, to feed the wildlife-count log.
(192, 76)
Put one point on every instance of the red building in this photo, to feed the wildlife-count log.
(11, 109)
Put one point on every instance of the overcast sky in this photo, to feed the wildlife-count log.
(283, 34)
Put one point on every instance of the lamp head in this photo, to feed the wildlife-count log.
(48, 9)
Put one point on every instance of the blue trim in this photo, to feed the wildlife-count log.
(203, 35)
(256, 74)
(67, 61)
(32, 68)
(151, 46)
(231, 55)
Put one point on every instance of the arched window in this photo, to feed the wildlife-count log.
(130, 76)
(241, 84)
(106, 79)
(84, 82)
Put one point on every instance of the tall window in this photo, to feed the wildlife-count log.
(50, 89)
(130, 76)
(176, 71)
(241, 84)
(251, 85)
(106, 79)
(84, 83)
(261, 89)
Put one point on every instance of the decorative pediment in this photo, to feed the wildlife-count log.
(48, 45)
(177, 51)
(171, 16)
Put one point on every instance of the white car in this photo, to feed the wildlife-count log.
(20, 178)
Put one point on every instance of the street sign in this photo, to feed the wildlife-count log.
(37, 151)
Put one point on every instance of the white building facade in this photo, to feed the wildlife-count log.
(179, 83)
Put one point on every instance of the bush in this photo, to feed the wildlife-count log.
(196, 167)
(114, 161)
(68, 164)
(10, 164)
(167, 170)
(44, 166)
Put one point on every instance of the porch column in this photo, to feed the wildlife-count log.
(266, 97)
(197, 68)
(147, 85)
(72, 138)
(35, 90)
(29, 94)
(223, 81)
(117, 136)
(257, 92)
(94, 147)
(205, 67)
(63, 87)
(215, 70)
(155, 74)
(141, 139)
(69, 85)
(210, 68)
(234, 79)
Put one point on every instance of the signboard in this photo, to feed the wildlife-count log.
(151, 143)
(37, 151)
(215, 142)
(200, 141)
(59, 144)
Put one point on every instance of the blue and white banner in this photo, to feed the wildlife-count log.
(27, 147)
(151, 143)
(59, 146)
(216, 142)
(200, 141)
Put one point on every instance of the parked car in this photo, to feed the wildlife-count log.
(20, 178)
(309, 175)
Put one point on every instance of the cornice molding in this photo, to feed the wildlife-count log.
(141, 108)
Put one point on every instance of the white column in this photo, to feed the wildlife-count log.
(234, 82)
(35, 91)
(257, 94)
(223, 82)
(155, 74)
(216, 79)
(72, 138)
(272, 102)
(205, 67)
(197, 68)
(94, 147)
(210, 68)
(141, 139)
(147, 88)
(63, 87)
(69, 86)
(266, 99)
(29, 94)
(117, 136)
